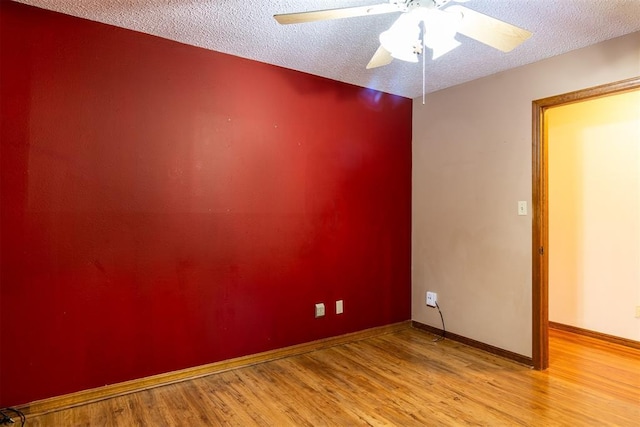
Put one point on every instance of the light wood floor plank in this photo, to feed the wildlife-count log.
(402, 378)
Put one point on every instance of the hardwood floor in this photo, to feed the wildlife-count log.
(401, 379)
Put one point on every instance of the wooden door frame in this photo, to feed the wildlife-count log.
(540, 267)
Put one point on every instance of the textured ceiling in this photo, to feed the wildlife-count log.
(340, 49)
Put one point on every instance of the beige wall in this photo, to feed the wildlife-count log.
(471, 164)
(594, 214)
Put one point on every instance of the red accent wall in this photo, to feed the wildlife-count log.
(165, 206)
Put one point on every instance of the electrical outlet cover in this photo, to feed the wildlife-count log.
(432, 298)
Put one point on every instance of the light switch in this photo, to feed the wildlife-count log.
(522, 207)
(319, 309)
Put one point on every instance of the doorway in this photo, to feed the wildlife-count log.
(540, 229)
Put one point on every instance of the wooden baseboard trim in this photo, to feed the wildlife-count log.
(84, 397)
(597, 335)
(477, 344)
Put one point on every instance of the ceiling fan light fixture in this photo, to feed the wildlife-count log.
(440, 30)
(407, 55)
(446, 46)
(402, 40)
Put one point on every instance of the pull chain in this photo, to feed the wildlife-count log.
(423, 76)
(423, 63)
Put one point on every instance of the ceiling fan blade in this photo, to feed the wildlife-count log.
(488, 30)
(380, 58)
(346, 12)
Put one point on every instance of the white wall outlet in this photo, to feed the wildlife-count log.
(638, 311)
(432, 298)
(339, 307)
(522, 207)
(319, 309)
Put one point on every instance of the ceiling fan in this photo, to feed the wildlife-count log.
(423, 23)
